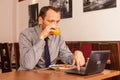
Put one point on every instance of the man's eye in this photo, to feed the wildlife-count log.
(58, 21)
(50, 21)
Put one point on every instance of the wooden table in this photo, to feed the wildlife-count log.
(43, 74)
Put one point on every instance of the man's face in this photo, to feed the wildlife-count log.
(51, 18)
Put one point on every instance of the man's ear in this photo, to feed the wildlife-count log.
(40, 19)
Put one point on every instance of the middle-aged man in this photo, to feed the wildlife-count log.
(32, 43)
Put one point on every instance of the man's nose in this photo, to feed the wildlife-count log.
(55, 24)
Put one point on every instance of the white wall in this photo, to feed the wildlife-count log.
(93, 26)
(22, 16)
(90, 26)
(83, 26)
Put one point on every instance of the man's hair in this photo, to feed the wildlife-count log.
(44, 10)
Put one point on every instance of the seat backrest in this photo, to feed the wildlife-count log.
(5, 51)
(17, 55)
(73, 45)
(86, 48)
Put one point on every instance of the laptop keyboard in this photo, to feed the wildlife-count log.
(82, 70)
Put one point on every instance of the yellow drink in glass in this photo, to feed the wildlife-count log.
(56, 32)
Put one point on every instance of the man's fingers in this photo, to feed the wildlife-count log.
(78, 65)
(73, 62)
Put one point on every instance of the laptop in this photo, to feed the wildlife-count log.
(95, 64)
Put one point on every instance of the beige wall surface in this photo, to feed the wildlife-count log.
(6, 20)
(100, 25)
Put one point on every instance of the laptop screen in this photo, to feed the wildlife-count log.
(97, 61)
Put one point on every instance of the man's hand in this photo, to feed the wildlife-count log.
(48, 30)
(78, 59)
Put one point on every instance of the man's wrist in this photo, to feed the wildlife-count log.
(41, 37)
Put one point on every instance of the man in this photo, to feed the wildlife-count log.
(32, 42)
